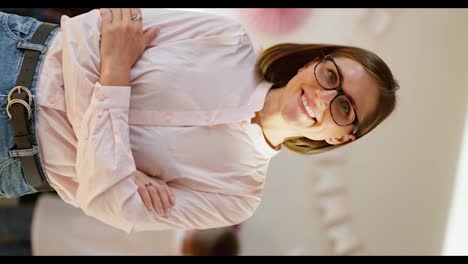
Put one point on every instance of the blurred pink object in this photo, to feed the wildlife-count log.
(274, 20)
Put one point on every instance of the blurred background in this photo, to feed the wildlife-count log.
(400, 190)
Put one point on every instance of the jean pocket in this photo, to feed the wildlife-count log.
(12, 181)
(19, 27)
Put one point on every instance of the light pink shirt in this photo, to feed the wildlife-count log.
(185, 119)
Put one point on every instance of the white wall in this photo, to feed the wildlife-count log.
(456, 235)
(400, 177)
(403, 196)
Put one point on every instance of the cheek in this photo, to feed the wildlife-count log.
(335, 131)
(326, 130)
(289, 109)
(289, 112)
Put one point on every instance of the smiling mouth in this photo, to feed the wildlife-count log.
(306, 108)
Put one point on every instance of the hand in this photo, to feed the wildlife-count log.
(155, 194)
(122, 43)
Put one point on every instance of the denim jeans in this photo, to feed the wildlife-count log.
(15, 33)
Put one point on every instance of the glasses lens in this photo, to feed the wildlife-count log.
(327, 74)
(342, 111)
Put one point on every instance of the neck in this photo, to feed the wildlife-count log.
(269, 118)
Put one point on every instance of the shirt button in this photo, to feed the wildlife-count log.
(244, 124)
(52, 99)
(101, 96)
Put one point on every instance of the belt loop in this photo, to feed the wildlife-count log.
(31, 46)
(16, 153)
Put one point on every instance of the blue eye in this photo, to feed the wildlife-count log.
(345, 107)
(332, 78)
(342, 110)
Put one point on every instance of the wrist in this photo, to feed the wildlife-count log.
(115, 76)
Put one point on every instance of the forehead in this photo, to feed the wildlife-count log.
(359, 85)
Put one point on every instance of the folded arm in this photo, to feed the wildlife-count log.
(110, 186)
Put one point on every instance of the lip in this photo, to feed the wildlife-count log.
(304, 111)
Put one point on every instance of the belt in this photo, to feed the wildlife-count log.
(19, 111)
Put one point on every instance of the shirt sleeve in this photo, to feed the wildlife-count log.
(106, 169)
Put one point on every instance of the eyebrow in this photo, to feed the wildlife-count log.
(347, 95)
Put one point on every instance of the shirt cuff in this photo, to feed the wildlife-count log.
(112, 97)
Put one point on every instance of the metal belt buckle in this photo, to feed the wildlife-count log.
(19, 101)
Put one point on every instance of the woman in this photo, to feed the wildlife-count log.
(185, 123)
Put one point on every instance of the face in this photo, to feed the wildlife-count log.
(305, 105)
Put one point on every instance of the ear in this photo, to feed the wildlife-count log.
(341, 140)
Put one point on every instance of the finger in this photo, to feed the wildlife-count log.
(116, 15)
(126, 15)
(106, 17)
(156, 201)
(146, 198)
(171, 195)
(150, 34)
(135, 11)
(164, 196)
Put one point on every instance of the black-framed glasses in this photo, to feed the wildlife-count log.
(342, 109)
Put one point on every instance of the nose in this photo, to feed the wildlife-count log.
(325, 96)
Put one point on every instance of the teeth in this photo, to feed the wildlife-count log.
(307, 107)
